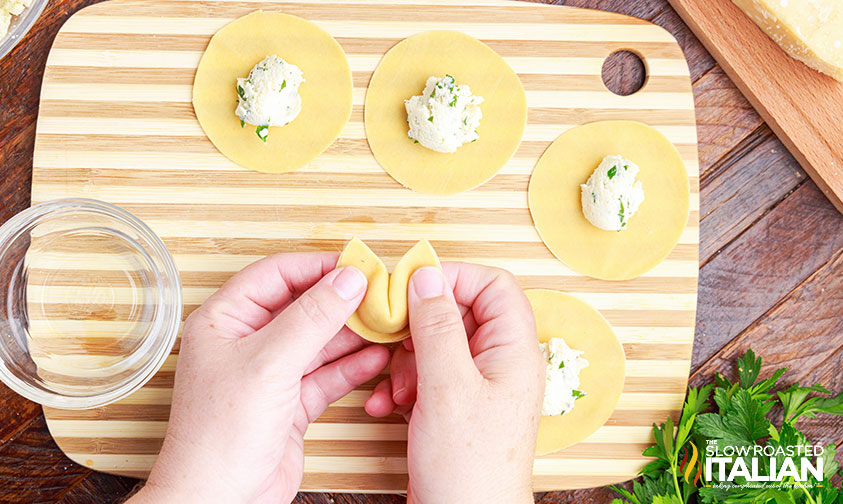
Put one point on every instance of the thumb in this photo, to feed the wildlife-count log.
(295, 336)
(436, 327)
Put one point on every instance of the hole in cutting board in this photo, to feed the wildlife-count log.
(624, 73)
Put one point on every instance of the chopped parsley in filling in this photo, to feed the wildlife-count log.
(445, 116)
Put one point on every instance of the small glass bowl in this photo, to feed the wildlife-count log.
(20, 26)
(92, 303)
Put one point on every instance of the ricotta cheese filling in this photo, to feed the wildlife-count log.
(269, 96)
(445, 116)
(562, 379)
(612, 195)
(9, 8)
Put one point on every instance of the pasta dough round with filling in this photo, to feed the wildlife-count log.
(559, 315)
(402, 74)
(382, 317)
(555, 199)
(325, 97)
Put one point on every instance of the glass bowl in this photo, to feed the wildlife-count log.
(92, 303)
(20, 26)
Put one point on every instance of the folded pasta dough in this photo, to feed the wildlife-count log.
(382, 317)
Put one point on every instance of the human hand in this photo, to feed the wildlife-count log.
(471, 381)
(259, 360)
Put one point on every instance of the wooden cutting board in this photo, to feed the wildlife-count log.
(802, 106)
(116, 124)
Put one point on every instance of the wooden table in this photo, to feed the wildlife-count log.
(771, 259)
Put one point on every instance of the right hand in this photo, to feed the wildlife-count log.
(470, 381)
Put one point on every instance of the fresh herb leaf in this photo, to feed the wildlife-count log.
(415, 141)
(697, 400)
(578, 393)
(562, 365)
(283, 85)
(748, 369)
(262, 132)
(242, 123)
(830, 465)
(241, 93)
(621, 214)
(667, 499)
(433, 93)
(741, 425)
(742, 419)
(453, 102)
(797, 404)
(430, 118)
(593, 197)
(626, 167)
(612, 172)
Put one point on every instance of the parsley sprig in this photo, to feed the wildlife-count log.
(741, 418)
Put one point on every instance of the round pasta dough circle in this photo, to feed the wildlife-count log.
(326, 94)
(402, 73)
(555, 204)
(559, 315)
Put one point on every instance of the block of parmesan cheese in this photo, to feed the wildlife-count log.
(809, 30)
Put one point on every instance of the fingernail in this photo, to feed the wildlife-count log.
(398, 386)
(349, 283)
(428, 282)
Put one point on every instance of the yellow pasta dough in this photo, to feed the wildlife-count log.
(555, 204)
(559, 315)
(326, 94)
(402, 73)
(382, 317)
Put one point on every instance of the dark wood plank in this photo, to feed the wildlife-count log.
(591, 496)
(724, 120)
(101, 488)
(802, 333)
(15, 414)
(756, 175)
(33, 469)
(763, 265)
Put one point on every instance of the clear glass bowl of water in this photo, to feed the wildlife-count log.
(92, 303)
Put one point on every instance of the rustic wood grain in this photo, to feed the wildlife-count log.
(762, 265)
(724, 119)
(758, 173)
(811, 130)
(22, 71)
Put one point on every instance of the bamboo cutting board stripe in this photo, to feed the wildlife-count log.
(116, 124)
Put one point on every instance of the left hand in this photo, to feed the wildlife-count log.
(259, 360)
